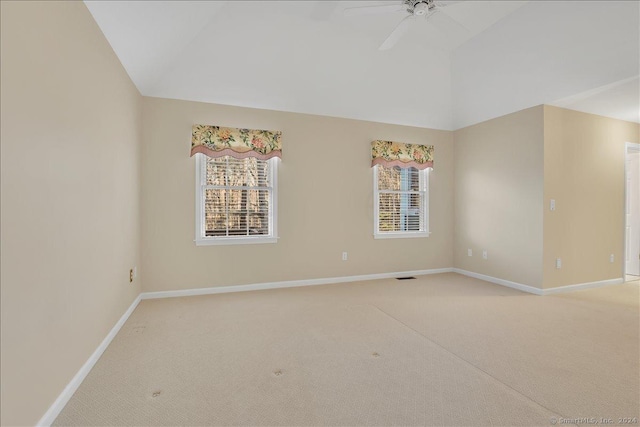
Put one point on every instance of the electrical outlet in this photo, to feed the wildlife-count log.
(131, 275)
(552, 205)
(485, 254)
(469, 252)
(558, 263)
(344, 256)
(612, 258)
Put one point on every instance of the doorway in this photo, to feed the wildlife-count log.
(632, 212)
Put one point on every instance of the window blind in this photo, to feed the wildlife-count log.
(401, 199)
(238, 195)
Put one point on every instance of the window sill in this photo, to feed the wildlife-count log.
(234, 241)
(401, 235)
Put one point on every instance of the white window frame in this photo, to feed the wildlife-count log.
(202, 240)
(423, 187)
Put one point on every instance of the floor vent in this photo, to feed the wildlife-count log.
(405, 278)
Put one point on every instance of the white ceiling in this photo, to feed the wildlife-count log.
(619, 99)
(305, 56)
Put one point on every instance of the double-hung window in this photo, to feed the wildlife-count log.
(401, 188)
(401, 206)
(235, 200)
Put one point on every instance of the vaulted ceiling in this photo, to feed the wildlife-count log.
(481, 60)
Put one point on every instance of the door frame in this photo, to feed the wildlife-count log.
(629, 147)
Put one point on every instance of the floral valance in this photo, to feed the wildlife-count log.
(216, 141)
(389, 154)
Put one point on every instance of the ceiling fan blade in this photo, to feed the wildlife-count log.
(374, 10)
(400, 30)
(446, 18)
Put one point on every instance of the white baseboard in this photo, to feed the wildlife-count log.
(581, 286)
(52, 413)
(288, 284)
(507, 283)
(538, 291)
(49, 417)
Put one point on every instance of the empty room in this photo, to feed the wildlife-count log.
(320, 213)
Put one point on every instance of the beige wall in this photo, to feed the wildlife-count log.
(74, 131)
(584, 172)
(325, 201)
(70, 195)
(506, 172)
(498, 197)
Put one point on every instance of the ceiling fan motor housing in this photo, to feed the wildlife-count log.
(421, 7)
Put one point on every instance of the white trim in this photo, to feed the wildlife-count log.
(632, 147)
(199, 205)
(425, 183)
(244, 240)
(581, 286)
(273, 218)
(58, 405)
(629, 147)
(200, 240)
(376, 202)
(54, 410)
(401, 234)
(538, 291)
(52, 413)
(288, 284)
(507, 283)
(424, 214)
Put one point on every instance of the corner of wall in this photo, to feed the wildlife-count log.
(498, 190)
(584, 176)
(312, 233)
(70, 199)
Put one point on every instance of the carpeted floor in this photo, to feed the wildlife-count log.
(439, 350)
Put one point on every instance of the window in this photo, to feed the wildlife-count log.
(401, 206)
(235, 200)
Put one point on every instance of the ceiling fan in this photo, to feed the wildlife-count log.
(417, 9)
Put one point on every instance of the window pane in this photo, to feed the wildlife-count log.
(216, 170)
(236, 173)
(400, 200)
(237, 212)
(398, 179)
(413, 179)
(241, 207)
(258, 212)
(389, 212)
(227, 171)
(410, 212)
(388, 178)
(400, 212)
(257, 173)
(215, 223)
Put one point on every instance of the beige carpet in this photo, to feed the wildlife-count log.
(440, 350)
